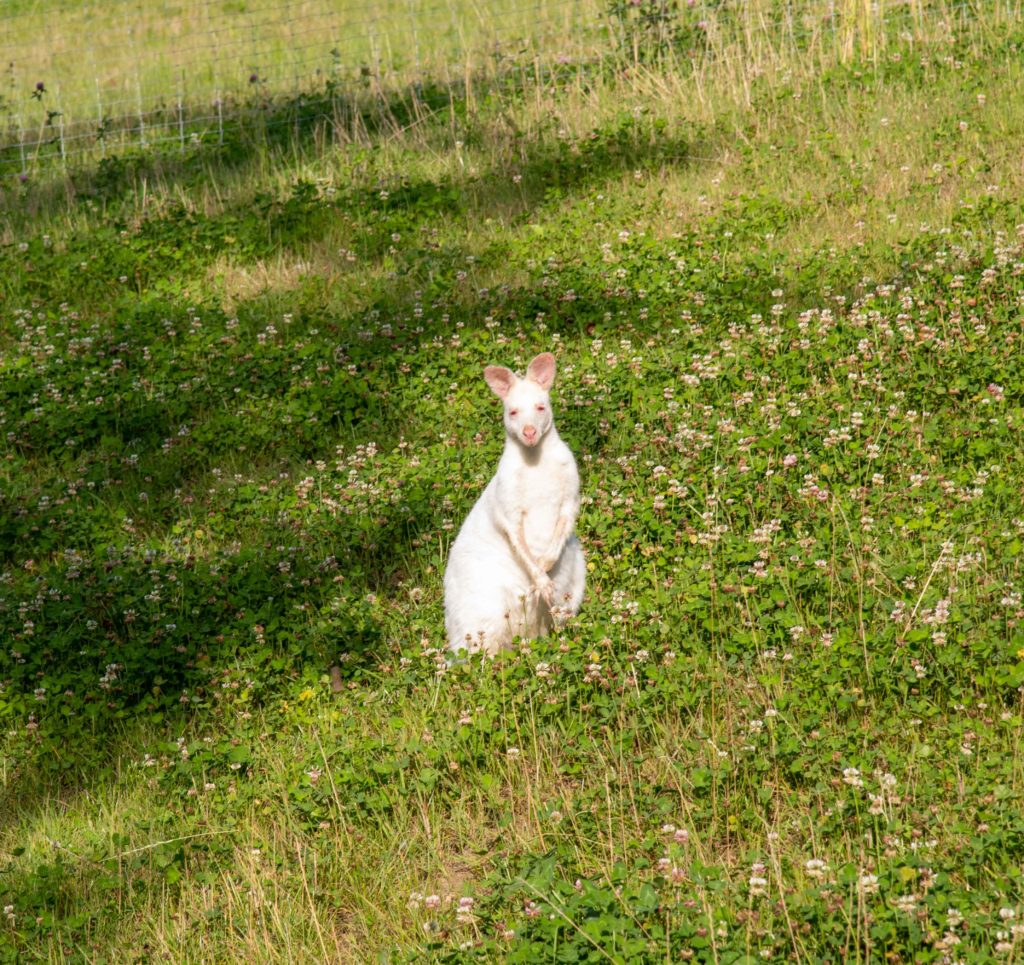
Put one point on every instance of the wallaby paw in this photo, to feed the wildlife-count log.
(545, 589)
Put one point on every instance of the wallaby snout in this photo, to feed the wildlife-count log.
(529, 435)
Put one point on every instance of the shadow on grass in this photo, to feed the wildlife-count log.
(256, 133)
(207, 141)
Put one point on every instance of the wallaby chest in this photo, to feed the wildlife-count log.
(537, 494)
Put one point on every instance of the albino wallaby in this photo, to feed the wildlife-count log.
(516, 568)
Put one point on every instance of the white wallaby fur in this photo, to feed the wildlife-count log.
(516, 569)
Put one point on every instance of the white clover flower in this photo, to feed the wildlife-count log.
(868, 883)
(851, 776)
(816, 868)
(758, 881)
(464, 911)
(905, 903)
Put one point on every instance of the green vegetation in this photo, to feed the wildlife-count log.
(243, 415)
(87, 78)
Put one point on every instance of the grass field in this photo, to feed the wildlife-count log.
(243, 416)
(83, 80)
(86, 78)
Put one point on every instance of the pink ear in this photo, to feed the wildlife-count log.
(542, 370)
(500, 379)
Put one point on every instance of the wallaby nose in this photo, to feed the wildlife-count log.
(529, 435)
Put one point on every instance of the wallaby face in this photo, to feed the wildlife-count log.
(527, 401)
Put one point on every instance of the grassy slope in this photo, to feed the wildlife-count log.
(243, 415)
(153, 73)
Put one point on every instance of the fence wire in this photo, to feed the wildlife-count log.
(84, 79)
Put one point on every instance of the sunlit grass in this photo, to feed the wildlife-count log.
(243, 417)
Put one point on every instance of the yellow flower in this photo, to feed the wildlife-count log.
(307, 694)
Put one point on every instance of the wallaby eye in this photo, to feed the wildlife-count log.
(540, 408)
(513, 412)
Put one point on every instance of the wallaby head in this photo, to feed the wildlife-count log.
(527, 401)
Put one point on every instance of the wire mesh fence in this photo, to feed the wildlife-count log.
(84, 79)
